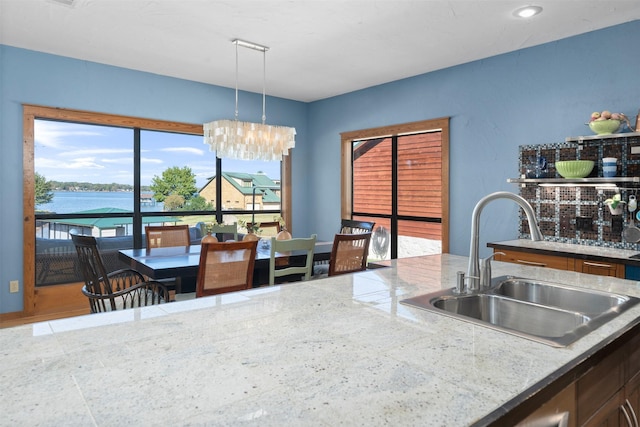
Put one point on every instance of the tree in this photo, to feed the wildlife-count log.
(198, 203)
(173, 202)
(174, 181)
(43, 191)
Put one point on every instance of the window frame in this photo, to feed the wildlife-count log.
(33, 112)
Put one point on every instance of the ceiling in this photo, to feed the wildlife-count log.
(318, 48)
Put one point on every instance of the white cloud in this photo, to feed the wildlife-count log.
(150, 160)
(189, 150)
(78, 163)
(52, 134)
(119, 160)
(96, 151)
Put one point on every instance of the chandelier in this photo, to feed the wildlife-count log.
(245, 140)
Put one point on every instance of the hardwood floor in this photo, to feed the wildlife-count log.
(50, 302)
(10, 322)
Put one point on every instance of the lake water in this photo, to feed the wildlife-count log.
(76, 201)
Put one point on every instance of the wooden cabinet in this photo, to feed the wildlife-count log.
(561, 262)
(609, 393)
(606, 392)
(536, 260)
(597, 390)
(599, 268)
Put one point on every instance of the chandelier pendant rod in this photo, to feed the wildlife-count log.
(264, 85)
(236, 81)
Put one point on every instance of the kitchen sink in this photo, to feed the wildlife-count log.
(507, 313)
(590, 302)
(550, 313)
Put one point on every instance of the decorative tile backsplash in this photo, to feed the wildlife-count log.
(577, 214)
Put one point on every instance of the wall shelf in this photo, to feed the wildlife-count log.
(587, 182)
(580, 139)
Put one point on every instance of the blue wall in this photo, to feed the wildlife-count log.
(532, 96)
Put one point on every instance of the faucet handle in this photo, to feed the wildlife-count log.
(460, 286)
(485, 270)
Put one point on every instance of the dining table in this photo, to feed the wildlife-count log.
(183, 262)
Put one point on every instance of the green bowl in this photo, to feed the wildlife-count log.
(603, 127)
(574, 168)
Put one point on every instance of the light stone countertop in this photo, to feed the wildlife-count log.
(335, 351)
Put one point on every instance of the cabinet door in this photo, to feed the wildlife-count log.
(561, 404)
(536, 260)
(633, 358)
(632, 396)
(610, 414)
(599, 384)
(599, 268)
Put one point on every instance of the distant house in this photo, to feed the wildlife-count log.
(237, 191)
(147, 199)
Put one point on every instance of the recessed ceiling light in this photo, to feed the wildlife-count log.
(527, 11)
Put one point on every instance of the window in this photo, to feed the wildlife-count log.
(397, 176)
(108, 176)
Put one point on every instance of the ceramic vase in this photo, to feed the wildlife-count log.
(617, 210)
(250, 236)
(209, 238)
(283, 235)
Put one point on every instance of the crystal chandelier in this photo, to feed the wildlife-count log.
(245, 140)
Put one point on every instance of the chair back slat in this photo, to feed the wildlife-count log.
(349, 253)
(225, 267)
(350, 226)
(162, 236)
(225, 229)
(289, 245)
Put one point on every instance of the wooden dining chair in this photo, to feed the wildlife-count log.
(349, 253)
(350, 226)
(289, 245)
(120, 289)
(225, 267)
(162, 236)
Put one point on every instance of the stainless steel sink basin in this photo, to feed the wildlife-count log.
(550, 313)
(512, 314)
(590, 302)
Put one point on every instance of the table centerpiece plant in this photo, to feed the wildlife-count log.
(208, 229)
(252, 229)
(284, 233)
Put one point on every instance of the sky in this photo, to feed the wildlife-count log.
(104, 155)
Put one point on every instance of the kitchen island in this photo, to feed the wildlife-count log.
(334, 351)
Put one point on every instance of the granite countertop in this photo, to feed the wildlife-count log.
(595, 253)
(335, 351)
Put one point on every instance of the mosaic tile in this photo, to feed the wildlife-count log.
(558, 207)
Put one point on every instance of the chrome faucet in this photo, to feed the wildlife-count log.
(476, 278)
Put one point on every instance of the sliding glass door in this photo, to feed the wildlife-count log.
(400, 182)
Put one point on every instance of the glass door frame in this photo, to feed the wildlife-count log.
(347, 139)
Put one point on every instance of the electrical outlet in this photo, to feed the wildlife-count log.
(14, 286)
